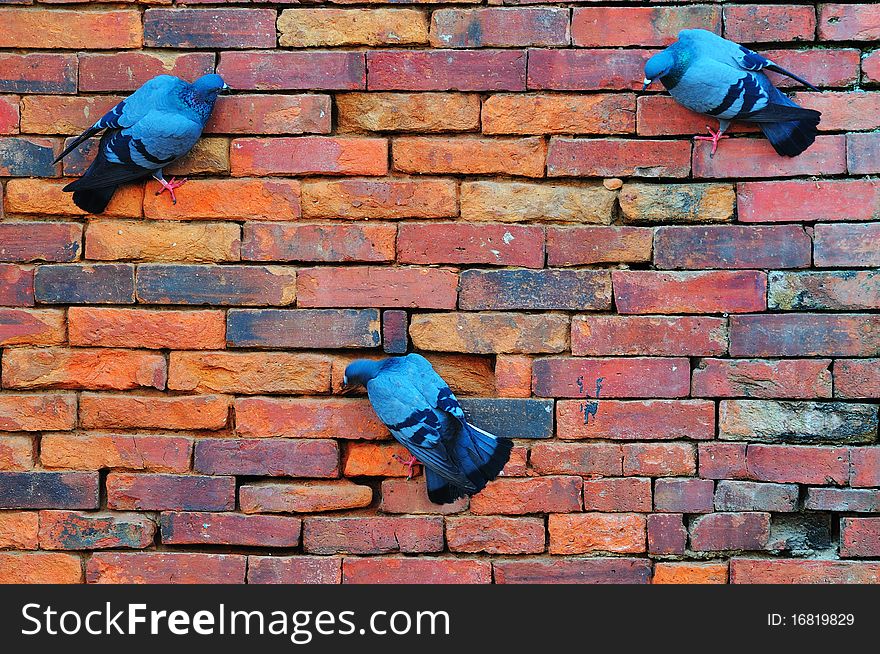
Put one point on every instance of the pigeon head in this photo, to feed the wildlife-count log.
(657, 66)
(359, 372)
(207, 87)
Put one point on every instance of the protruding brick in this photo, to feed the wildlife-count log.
(690, 292)
(32, 412)
(677, 203)
(623, 533)
(303, 328)
(533, 495)
(249, 373)
(395, 570)
(375, 460)
(40, 568)
(103, 411)
(495, 535)
(129, 451)
(161, 492)
(805, 335)
(784, 378)
(439, 70)
(408, 112)
(648, 335)
(320, 27)
(307, 418)
(659, 459)
(19, 530)
(49, 490)
(294, 570)
(732, 246)
(209, 28)
(273, 457)
(525, 201)
(230, 529)
(110, 240)
(373, 535)
(798, 464)
(617, 157)
(303, 497)
(730, 531)
(629, 377)
(70, 530)
(487, 333)
(165, 568)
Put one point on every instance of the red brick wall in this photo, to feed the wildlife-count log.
(486, 185)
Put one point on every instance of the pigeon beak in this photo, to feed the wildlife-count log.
(225, 87)
(646, 83)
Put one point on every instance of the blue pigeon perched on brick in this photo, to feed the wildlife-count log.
(716, 77)
(422, 414)
(156, 125)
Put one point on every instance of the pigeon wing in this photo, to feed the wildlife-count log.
(432, 386)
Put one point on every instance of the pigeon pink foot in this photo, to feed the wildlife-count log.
(409, 464)
(716, 136)
(170, 186)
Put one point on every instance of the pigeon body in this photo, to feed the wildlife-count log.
(716, 77)
(423, 414)
(154, 126)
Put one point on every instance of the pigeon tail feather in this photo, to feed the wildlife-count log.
(94, 200)
(792, 137)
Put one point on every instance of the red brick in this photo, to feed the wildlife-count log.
(574, 246)
(209, 28)
(495, 535)
(230, 529)
(307, 418)
(857, 378)
(9, 114)
(825, 67)
(843, 111)
(757, 158)
(70, 530)
(861, 153)
(165, 568)
(795, 200)
(573, 571)
(373, 535)
(27, 241)
(497, 27)
(127, 71)
(798, 464)
(305, 155)
(130, 451)
(849, 22)
(623, 26)
(397, 570)
(658, 459)
(782, 571)
(617, 157)
(582, 70)
(273, 457)
(666, 533)
(32, 412)
(690, 292)
(19, 530)
(847, 245)
(500, 245)
(535, 495)
(587, 459)
(843, 499)
(221, 199)
(249, 373)
(860, 537)
(408, 112)
(618, 494)
(754, 496)
(599, 113)
(162, 492)
(294, 570)
(180, 330)
(98, 369)
(623, 533)
(871, 68)
(153, 412)
(787, 378)
(388, 199)
(865, 470)
(424, 288)
(270, 114)
(681, 495)
(40, 568)
(629, 377)
(732, 246)
(16, 285)
(17, 453)
(524, 156)
(60, 114)
(93, 30)
(678, 572)
(31, 327)
(440, 70)
(303, 497)
(661, 115)
(318, 242)
(762, 23)
(723, 461)
(648, 335)
(38, 73)
(292, 70)
(411, 496)
(730, 531)
(805, 334)
(645, 420)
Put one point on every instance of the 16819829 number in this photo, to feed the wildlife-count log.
(811, 620)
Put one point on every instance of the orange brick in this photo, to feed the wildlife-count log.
(270, 114)
(601, 113)
(472, 156)
(375, 460)
(19, 530)
(307, 28)
(35, 412)
(597, 532)
(74, 30)
(408, 112)
(44, 196)
(379, 198)
(180, 330)
(98, 369)
(129, 451)
(153, 412)
(31, 327)
(226, 199)
(307, 418)
(63, 114)
(111, 240)
(690, 573)
(17, 453)
(40, 568)
(513, 376)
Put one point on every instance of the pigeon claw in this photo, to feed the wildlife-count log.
(170, 186)
(716, 136)
(408, 463)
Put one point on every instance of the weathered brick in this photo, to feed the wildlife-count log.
(650, 419)
(513, 375)
(524, 201)
(439, 70)
(16, 285)
(849, 500)
(9, 114)
(861, 153)
(38, 73)
(805, 334)
(40, 568)
(487, 333)
(303, 328)
(308, 28)
(480, 243)
(648, 335)
(230, 529)
(781, 571)
(209, 28)
(732, 246)
(666, 533)
(623, 533)
(270, 114)
(757, 158)
(499, 27)
(844, 111)
(291, 70)
(215, 285)
(511, 418)
(76, 368)
(616, 495)
(408, 112)
(754, 496)
(860, 537)
(822, 200)
(661, 115)
(616, 570)
(19, 530)
(689, 292)
(17, 452)
(682, 495)
(142, 328)
(294, 570)
(730, 531)
(848, 22)
(249, 373)
(221, 199)
(92, 30)
(533, 495)
(49, 490)
(784, 378)
(32, 412)
(303, 497)
(587, 459)
(104, 411)
(680, 572)
(846, 245)
(306, 155)
(45, 196)
(857, 378)
(629, 377)
(165, 568)
(84, 284)
(60, 114)
(762, 23)
(129, 451)
(395, 331)
(364, 286)
(587, 70)
(723, 461)
(865, 466)
(127, 71)
(798, 464)
(659, 459)
(374, 535)
(411, 496)
(388, 199)
(109, 240)
(677, 203)
(164, 492)
(31, 327)
(375, 460)
(272, 457)
(72, 530)
(495, 535)
(475, 156)
(307, 418)
(601, 113)
(839, 290)
(26, 241)
(318, 242)
(397, 570)
(645, 26)
(617, 157)
(571, 246)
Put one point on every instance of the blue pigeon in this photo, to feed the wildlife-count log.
(155, 125)
(713, 76)
(425, 417)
